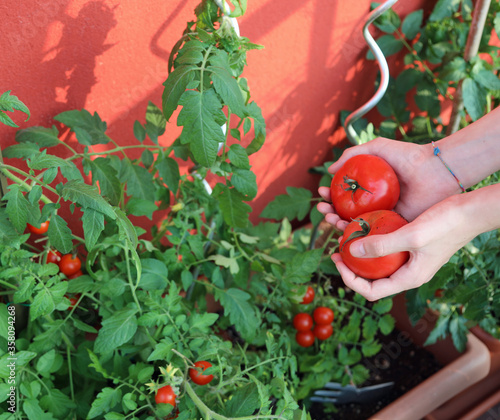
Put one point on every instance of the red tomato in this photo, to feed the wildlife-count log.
(53, 256)
(73, 301)
(373, 223)
(165, 395)
(44, 227)
(197, 377)
(364, 183)
(304, 338)
(309, 296)
(69, 265)
(322, 331)
(75, 275)
(323, 315)
(302, 322)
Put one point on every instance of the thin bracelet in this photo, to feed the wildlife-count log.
(437, 153)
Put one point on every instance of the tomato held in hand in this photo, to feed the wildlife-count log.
(165, 395)
(44, 227)
(364, 183)
(309, 296)
(302, 322)
(198, 377)
(69, 265)
(53, 257)
(323, 315)
(304, 338)
(322, 331)
(372, 223)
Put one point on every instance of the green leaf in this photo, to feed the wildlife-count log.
(228, 89)
(244, 401)
(57, 403)
(139, 181)
(47, 299)
(259, 127)
(17, 207)
(474, 99)
(139, 131)
(93, 225)
(234, 210)
(107, 176)
(126, 229)
(459, 331)
(427, 98)
(293, 205)
(389, 46)
(21, 151)
(382, 306)
(42, 136)
(245, 181)
(386, 324)
(221, 260)
(412, 24)
(33, 411)
(116, 330)
(105, 401)
(202, 117)
(238, 156)
(89, 129)
(240, 312)
(154, 274)
(175, 86)
(454, 70)
(87, 196)
(140, 207)
(302, 265)
(440, 331)
(488, 79)
(444, 9)
(10, 103)
(60, 235)
(168, 169)
(155, 122)
(388, 22)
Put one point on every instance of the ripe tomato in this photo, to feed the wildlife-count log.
(75, 275)
(322, 331)
(69, 265)
(364, 183)
(372, 223)
(323, 315)
(165, 395)
(304, 338)
(197, 377)
(309, 296)
(73, 301)
(44, 227)
(302, 322)
(53, 257)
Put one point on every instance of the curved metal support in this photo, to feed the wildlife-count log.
(384, 73)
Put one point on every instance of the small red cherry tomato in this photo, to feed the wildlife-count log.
(304, 338)
(197, 377)
(165, 395)
(309, 296)
(73, 301)
(302, 322)
(69, 265)
(323, 315)
(322, 331)
(44, 227)
(53, 257)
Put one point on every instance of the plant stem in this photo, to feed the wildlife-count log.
(5, 170)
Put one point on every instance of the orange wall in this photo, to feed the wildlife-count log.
(111, 57)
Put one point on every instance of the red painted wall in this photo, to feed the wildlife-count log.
(110, 56)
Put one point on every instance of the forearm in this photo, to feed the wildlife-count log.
(473, 153)
(481, 209)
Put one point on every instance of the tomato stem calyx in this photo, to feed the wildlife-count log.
(353, 186)
(365, 230)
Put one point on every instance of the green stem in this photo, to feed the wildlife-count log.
(203, 64)
(70, 373)
(5, 170)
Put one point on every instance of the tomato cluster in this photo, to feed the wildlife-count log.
(366, 190)
(70, 265)
(308, 327)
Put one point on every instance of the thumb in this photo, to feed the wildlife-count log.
(380, 245)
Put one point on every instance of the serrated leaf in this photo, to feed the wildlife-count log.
(155, 122)
(444, 9)
(474, 99)
(440, 330)
(293, 205)
(46, 300)
(228, 89)
(17, 207)
(175, 86)
(139, 131)
(488, 79)
(238, 156)
(33, 411)
(10, 103)
(116, 330)
(105, 401)
(168, 169)
(412, 24)
(107, 176)
(21, 151)
(60, 235)
(139, 181)
(245, 181)
(234, 210)
(86, 196)
(93, 225)
(140, 207)
(244, 401)
(427, 98)
(57, 403)
(386, 324)
(389, 46)
(259, 128)
(89, 129)
(226, 262)
(382, 306)
(42, 136)
(302, 265)
(240, 312)
(161, 350)
(154, 274)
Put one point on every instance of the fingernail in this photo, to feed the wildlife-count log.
(357, 250)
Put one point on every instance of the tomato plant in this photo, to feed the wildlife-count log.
(302, 322)
(373, 223)
(44, 227)
(198, 377)
(70, 264)
(304, 338)
(323, 331)
(165, 395)
(323, 315)
(364, 183)
(53, 257)
(309, 296)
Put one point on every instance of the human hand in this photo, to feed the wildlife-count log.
(423, 179)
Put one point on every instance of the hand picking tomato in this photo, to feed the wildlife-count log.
(302, 322)
(364, 183)
(53, 257)
(44, 227)
(322, 331)
(309, 296)
(304, 338)
(69, 265)
(323, 315)
(165, 395)
(198, 377)
(372, 223)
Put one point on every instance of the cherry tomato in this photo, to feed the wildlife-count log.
(69, 265)
(73, 301)
(197, 377)
(53, 256)
(165, 395)
(304, 338)
(309, 296)
(302, 322)
(323, 315)
(364, 183)
(372, 223)
(75, 275)
(44, 227)
(322, 331)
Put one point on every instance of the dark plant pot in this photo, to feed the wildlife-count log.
(460, 371)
